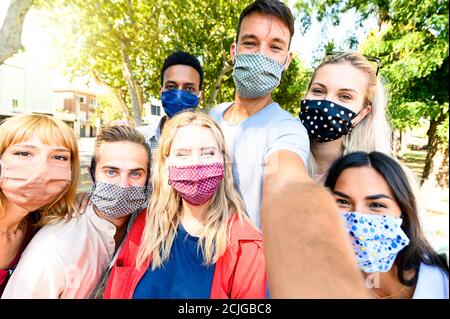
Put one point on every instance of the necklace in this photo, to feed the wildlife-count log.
(391, 295)
(10, 234)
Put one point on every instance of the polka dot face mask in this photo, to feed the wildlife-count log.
(326, 121)
(376, 239)
(196, 184)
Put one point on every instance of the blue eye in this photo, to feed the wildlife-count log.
(136, 174)
(111, 173)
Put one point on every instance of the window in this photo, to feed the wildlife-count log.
(156, 110)
(82, 99)
(68, 104)
(92, 102)
(15, 104)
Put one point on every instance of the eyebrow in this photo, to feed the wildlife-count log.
(378, 196)
(323, 86)
(252, 36)
(35, 148)
(117, 168)
(348, 90)
(248, 36)
(280, 40)
(370, 197)
(341, 194)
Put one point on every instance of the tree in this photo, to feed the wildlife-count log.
(11, 31)
(122, 44)
(412, 42)
(293, 86)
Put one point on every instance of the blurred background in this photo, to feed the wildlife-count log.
(94, 62)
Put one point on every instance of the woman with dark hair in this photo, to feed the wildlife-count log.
(379, 211)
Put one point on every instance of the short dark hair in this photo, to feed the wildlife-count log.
(183, 58)
(419, 250)
(274, 8)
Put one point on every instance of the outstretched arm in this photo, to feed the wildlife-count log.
(308, 254)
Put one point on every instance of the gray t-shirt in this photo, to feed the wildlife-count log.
(250, 143)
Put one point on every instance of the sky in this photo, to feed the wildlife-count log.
(305, 46)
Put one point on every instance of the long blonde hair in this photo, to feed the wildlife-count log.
(373, 132)
(50, 131)
(163, 213)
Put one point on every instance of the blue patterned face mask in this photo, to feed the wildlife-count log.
(376, 239)
(116, 201)
(256, 75)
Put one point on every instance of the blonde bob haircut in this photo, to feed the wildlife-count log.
(50, 131)
(373, 132)
(163, 212)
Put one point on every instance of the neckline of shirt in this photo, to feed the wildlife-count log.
(251, 117)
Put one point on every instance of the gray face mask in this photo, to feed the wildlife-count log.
(116, 201)
(256, 75)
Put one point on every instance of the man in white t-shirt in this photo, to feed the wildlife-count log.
(270, 149)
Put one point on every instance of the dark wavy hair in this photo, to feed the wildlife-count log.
(419, 250)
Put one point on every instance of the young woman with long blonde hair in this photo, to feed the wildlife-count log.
(344, 111)
(195, 240)
(39, 174)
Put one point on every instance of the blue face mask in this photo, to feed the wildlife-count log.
(175, 101)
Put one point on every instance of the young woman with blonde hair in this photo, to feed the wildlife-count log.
(195, 239)
(344, 111)
(39, 174)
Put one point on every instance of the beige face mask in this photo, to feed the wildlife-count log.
(33, 185)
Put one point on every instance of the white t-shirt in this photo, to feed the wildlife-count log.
(64, 260)
(250, 143)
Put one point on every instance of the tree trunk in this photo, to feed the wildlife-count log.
(140, 96)
(436, 151)
(442, 175)
(132, 87)
(397, 140)
(120, 95)
(11, 31)
(216, 89)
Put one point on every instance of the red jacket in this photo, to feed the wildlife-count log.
(239, 273)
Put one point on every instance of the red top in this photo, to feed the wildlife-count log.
(239, 273)
(6, 273)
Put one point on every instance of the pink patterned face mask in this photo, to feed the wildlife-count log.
(196, 184)
(33, 185)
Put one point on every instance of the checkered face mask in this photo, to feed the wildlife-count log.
(326, 121)
(256, 75)
(196, 184)
(116, 201)
(376, 239)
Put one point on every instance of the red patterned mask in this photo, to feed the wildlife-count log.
(196, 184)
